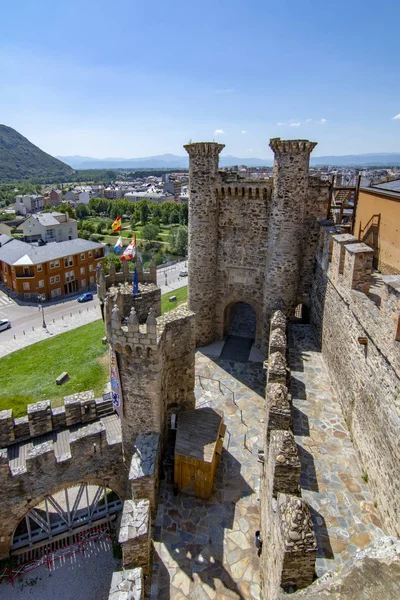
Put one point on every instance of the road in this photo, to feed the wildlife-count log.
(27, 320)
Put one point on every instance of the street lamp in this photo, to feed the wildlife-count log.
(42, 298)
(165, 273)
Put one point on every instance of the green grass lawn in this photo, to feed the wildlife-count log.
(181, 296)
(29, 375)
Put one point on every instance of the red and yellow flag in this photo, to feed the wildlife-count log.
(116, 226)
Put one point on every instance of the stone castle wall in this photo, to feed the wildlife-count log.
(289, 547)
(41, 418)
(242, 232)
(91, 458)
(251, 241)
(156, 368)
(358, 341)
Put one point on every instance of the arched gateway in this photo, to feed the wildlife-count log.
(69, 511)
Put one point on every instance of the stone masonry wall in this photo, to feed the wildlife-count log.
(358, 342)
(247, 238)
(41, 418)
(289, 544)
(156, 369)
(91, 459)
(242, 234)
(203, 236)
(287, 214)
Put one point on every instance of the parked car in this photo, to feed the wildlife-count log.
(183, 273)
(5, 324)
(85, 297)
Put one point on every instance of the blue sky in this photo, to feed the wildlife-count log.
(128, 78)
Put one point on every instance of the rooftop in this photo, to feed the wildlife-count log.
(20, 253)
(197, 433)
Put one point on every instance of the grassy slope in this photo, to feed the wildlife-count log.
(20, 159)
(29, 375)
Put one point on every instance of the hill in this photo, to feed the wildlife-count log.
(20, 159)
(360, 160)
(162, 161)
(172, 161)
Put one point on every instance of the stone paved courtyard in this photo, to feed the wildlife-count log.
(342, 507)
(205, 549)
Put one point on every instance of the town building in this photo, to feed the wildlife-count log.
(55, 197)
(377, 223)
(50, 227)
(28, 203)
(51, 270)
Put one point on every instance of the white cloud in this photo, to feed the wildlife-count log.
(219, 132)
(308, 120)
(243, 131)
(289, 124)
(397, 117)
(323, 121)
(249, 150)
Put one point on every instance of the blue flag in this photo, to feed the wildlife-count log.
(135, 283)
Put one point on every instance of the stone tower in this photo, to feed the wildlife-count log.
(152, 357)
(251, 242)
(286, 225)
(203, 236)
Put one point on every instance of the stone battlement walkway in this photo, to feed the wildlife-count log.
(205, 549)
(342, 507)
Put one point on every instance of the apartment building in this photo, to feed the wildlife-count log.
(51, 270)
(50, 227)
(28, 203)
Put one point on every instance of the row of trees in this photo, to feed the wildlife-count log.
(144, 210)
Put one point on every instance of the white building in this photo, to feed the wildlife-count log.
(50, 227)
(29, 203)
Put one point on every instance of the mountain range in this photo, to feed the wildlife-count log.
(173, 161)
(20, 159)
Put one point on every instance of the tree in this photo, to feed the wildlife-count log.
(144, 211)
(150, 232)
(112, 258)
(67, 208)
(174, 217)
(178, 240)
(100, 227)
(82, 211)
(184, 214)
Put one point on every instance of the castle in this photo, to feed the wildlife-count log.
(258, 251)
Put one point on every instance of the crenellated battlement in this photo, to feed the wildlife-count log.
(285, 516)
(42, 419)
(245, 190)
(204, 149)
(348, 265)
(125, 276)
(131, 337)
(355, 313)
(291, 146)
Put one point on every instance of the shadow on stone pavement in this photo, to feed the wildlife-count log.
(308, 475)
(301, 424)
(252, 375)
(324, 548)
(192, 532)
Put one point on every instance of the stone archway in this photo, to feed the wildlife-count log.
(240, 320)
(60, 514)
(240, 329)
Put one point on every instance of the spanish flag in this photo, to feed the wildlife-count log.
(116, 226)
